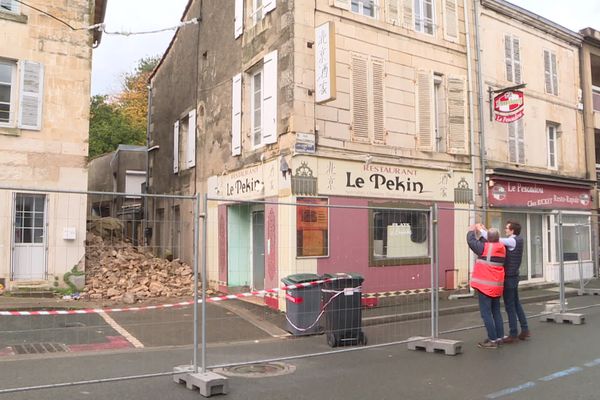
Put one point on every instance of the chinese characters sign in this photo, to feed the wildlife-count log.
(325, 62)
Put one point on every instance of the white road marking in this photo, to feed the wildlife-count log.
(130, 338)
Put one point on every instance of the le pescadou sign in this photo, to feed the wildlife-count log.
(506, 193)
(508, 106)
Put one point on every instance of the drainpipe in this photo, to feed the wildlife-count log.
(148, 112)
(481, 117)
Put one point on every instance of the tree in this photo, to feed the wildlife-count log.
(121, 119)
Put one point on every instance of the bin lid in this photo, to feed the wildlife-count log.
(344, 275)
(300, 278)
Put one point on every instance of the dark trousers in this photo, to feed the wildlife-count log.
(489, 307)
(514, 309)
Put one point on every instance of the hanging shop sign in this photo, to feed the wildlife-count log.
(505, 193)
(509, 106)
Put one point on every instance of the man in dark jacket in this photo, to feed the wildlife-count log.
(514, 245)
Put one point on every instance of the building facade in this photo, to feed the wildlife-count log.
(45, 71)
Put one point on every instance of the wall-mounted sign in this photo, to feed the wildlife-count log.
(506, 193)
(325, 62)
(508, 106)
(305, 143)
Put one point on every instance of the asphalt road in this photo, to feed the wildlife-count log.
(561, 361)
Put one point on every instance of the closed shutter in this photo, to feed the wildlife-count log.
(457, 126)
(520, 142)
(547, 73)
(176, 147)
(378, 75)
(345, 4)
(425, 109)
(554, 74)
(236, 116)
(269, 131)
(360, 98)
(517, 60)
(512, 142)
(239, 18)
(268, 6)
(191, 140)
(407, 14)
(451, 20)
(31, 95)
(508, 57)
(392, 12)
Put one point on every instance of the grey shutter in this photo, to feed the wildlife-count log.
(520, 141)
(407, 14)
(360, 98)
(269, 123)
(236, 116)
(457, 126)
(547, 73)
(425, 118)
(392, 12)
(191, 140)
(451, 19)
(517, 60)
(239, 18)
(268, 6)
(345, 4)
(512, 142)
(554, 74)
(31, 95)
(378, 76)
(508, 57)
(176, 147)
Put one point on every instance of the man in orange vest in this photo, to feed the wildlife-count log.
(488, 279)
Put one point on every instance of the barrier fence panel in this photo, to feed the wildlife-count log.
(91, 273)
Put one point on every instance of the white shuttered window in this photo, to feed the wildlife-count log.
(512, 57)
(516, 142)
(31, 95)
(368, 99)
(424, 16)
(176, 147)
(550, 72)
(425, 111)
(239, 18)
(236, 116)
(269, 128)
(451, 20)
(191, 140)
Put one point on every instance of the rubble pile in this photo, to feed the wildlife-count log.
(116, 270)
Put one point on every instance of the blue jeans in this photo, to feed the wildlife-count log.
(514, 309)
(492, 318)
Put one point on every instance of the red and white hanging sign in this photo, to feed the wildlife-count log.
(508, 106)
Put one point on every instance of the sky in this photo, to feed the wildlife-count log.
(118, 55)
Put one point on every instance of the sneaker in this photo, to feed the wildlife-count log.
(524, 335)
(488, 344)
(510, 339)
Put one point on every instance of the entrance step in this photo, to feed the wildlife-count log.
(31, 289)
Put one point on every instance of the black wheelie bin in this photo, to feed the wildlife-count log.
(303, 305)
(341, 297)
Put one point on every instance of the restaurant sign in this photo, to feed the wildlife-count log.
(508, 106)
(504, 193)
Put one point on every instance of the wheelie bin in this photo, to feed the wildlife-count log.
(303, 305)
(341, 297)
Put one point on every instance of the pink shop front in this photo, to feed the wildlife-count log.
(330, 216)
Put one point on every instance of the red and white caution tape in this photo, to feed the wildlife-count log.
(173, 305)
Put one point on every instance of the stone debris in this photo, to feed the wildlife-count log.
(118, 271)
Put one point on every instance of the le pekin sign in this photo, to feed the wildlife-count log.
(508, 106)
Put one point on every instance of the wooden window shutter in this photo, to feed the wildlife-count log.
(457, 118)
(392, 12)
(520, 141)
(451, 19)
(425, 118)
(407, 14)
(360, 98)
(269, 5)
(191, 140)
(269, 123)
(239, 18)
(31, 95)
(517, 60)
(345, 4)
(554, 74)
(547, 73)
(236, 116)
(512, 142)
(378, 88)
(508, 57)
(176, 147)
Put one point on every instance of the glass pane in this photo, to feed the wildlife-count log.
(38, 236)
(4, 112)
(575, 219)
(5, 73)
(27, 235)
(537, 247)
(5, 93)
(28, 203)
(39, 220)
(39, 203)
(400, 234)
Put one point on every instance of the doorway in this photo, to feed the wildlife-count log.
(258, 249)
(29, 237)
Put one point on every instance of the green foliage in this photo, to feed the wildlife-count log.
(122, 119)
(75, 272)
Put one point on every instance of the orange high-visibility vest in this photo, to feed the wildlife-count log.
(488, 272)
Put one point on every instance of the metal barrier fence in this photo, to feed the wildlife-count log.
(208, 284)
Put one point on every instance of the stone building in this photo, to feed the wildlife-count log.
(45, 71)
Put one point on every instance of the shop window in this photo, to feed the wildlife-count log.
(312, 227)
(576, 238)
(399, 237)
